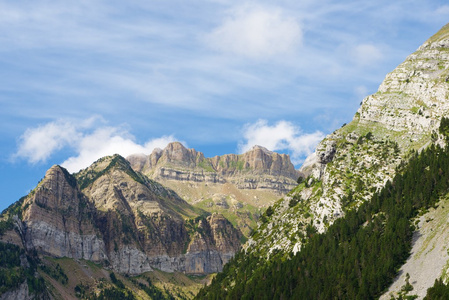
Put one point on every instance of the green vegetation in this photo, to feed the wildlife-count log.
(13, 273)
(193, 225)
(152, 290)
(241, 215)
(439, 291)
(115, 281)
(6, 225)
(113, 293)
(415, 109)
(56, 272)
(444, 127)
(359, 255)
(69, 178)
(6, 222)
(88, 176)
(206, 165)
(442, 33)
(239, 165)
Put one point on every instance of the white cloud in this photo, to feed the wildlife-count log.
(256, 32)
(366, 54)
(39, 144)
(281, 136)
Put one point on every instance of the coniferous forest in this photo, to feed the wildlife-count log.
(360, 254)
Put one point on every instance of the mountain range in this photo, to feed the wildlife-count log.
(363, 218)
(114, 215)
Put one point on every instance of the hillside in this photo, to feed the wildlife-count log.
(349, 169)
(354, 161)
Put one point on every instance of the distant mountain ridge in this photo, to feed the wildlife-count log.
(176, 162)
(239, 186)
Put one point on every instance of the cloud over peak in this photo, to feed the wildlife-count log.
(283, 136)
(89, 143)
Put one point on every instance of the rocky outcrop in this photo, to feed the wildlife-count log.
(56, 219)
(216, 234)
(269, 170)
(251, 181)
(166, 173)
(413, 97)
(357, 160)
(21, 293)
(124, 218)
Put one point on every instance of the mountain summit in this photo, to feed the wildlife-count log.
(238, 186)
(113, 215)
(176, 162)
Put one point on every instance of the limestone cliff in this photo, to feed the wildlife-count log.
(255, 169)
(238, 186)
(57, 219)
(356, 160)
(110, 214)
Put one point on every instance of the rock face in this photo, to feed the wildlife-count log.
(56, 221)
(110, 213)
(21, 293)
(238, 186)
(255, 169)
(356, 160)
(412, 98)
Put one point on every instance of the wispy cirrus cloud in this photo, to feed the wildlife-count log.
(256, 31)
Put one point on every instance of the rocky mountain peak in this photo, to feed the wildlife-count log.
(257, 147)
(176, 153)
(412, 98)
(356, 160)
(109, 212)
(57, 190)
(257, 161)
(232, 184)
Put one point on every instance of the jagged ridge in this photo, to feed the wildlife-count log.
(176, 162)
(124, 218)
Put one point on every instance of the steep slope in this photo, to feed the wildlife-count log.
(57, 219)
(358, 256)
(237, 186)
(111, 215)
(356, 161)
(175, 162)
(143, 223)
(429, 255)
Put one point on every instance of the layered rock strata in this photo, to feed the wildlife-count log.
(266, 169)
(356, 160)
(111, 214)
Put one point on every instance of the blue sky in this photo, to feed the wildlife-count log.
(83, 79)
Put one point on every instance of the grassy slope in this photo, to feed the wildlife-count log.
(93, 277)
